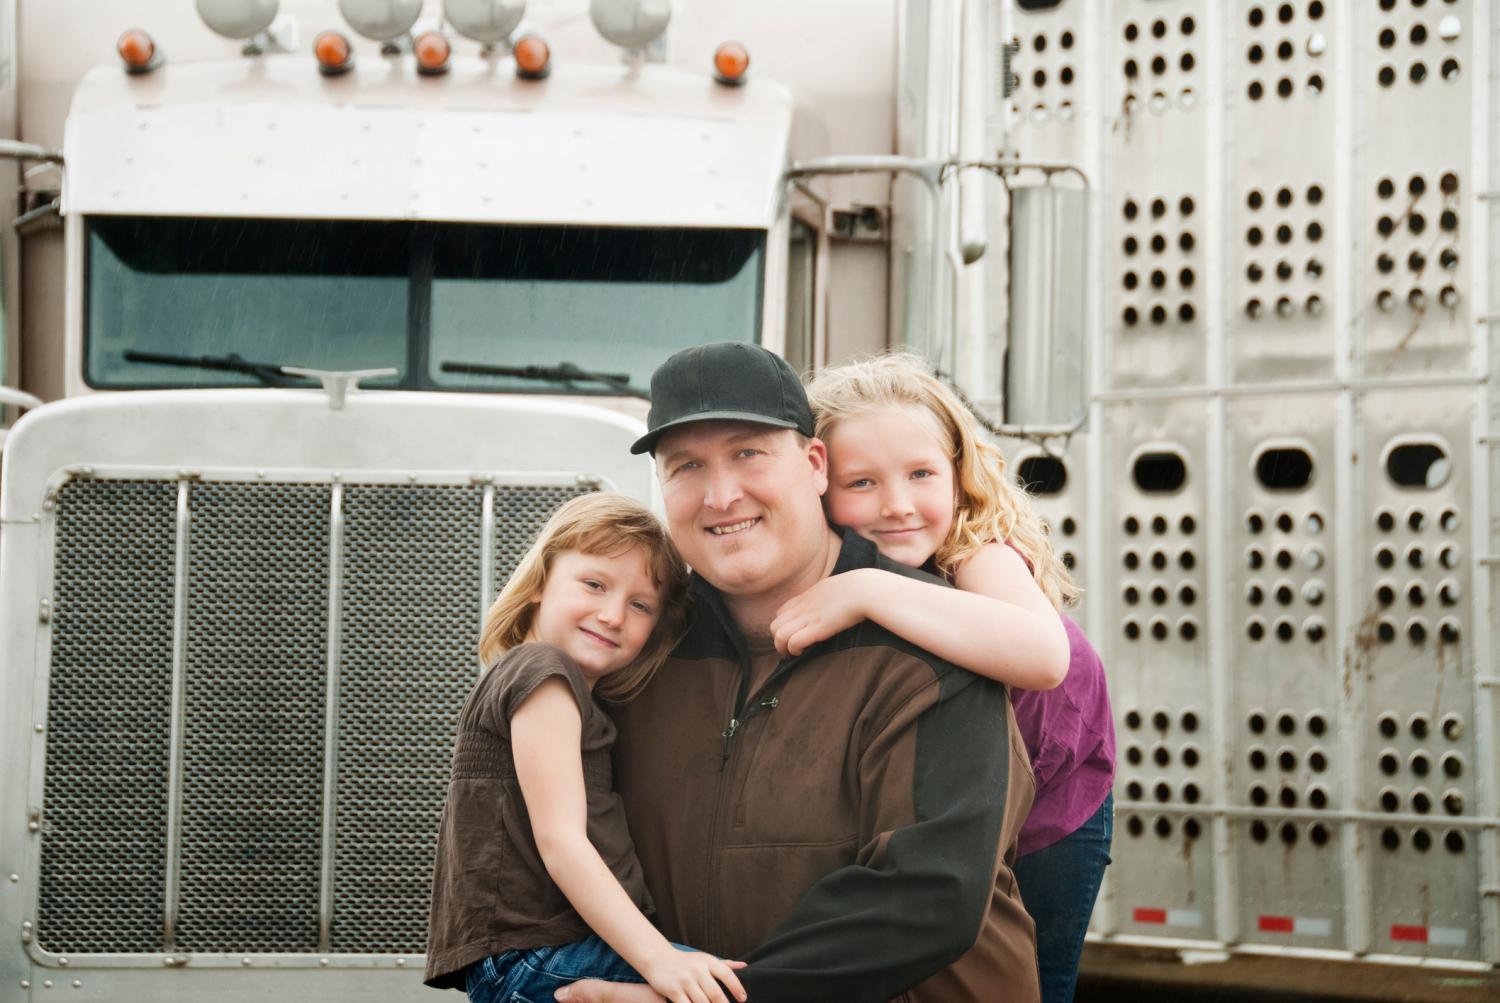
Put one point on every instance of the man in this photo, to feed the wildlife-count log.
(844, 820)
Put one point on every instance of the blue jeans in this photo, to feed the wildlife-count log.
(533, 976)
(1059, 884)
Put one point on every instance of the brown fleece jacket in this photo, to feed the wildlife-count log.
(848, 828)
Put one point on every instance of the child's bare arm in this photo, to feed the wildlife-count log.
(545, 737)
(997, 623)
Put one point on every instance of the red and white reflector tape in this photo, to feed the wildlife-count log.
(1443, 936)
(1167, 917)
(1299, 926)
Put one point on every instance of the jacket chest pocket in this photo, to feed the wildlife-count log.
(791, 784)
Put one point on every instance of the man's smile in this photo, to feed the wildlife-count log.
(730, 528)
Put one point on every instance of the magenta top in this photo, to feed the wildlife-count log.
(1070, 735)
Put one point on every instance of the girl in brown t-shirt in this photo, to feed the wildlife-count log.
(536, 881)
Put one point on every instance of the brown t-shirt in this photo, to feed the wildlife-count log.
(490, 890)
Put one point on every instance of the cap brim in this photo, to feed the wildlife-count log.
(647, 442)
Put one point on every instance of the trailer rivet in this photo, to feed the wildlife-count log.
(77, 984)
(245, 962)
(323, 962)
(14, 878)
(62, 962)
(400, 962)
(46, 983)
(39, 728)
(25, 983)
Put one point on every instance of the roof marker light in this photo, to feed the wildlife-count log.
(731, 60)
(138, 51)
(334, 53)
(433, 52)
(533, 58)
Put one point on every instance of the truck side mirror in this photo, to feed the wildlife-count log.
(1047, 358)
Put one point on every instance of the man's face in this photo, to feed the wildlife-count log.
(743, 503)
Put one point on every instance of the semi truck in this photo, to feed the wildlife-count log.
(331, 303)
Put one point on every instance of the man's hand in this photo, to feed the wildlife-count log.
(836, 603)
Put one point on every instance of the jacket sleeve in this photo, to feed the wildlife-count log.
(933, 780)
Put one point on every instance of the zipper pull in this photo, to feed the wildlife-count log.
(771, 702)
(734, 725)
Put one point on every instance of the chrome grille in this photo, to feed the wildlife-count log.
(103, 853)
(257, 651)
(250, 855)
(409, 622)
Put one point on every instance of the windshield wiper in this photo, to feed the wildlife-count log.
(268, 373)
(564, 372)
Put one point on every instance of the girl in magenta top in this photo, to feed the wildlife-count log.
(910, 470)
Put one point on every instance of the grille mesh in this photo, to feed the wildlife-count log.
(253, 723)
(254, 708)
(409, 622)
(103, 848)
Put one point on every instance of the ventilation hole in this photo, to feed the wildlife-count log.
(1418, 72)
(1416, 222)
(1448, 258)
(1187, 25)
(1039, 43)
(1186, 242)
(1131, 31)
(1039, 78)
(1453, 765)
(1255, 90)
(1043, 475)
(1416, 261)
(1284, 87)
(1284, 270)
(1448, 220)
(1131, 70)
(1257, 722)
(1385, 263)
(1453, 727)
(1386, 631)
(1414, 556)
(1134, 825)
(1185, 278)
(1386, 76)
(1287, 760)
(1132, 560)
(1419, 726)
(1132, 719)
(1254, 272)
(1415, 595)
(1158, 278)
(1421, 840)
(1130, 317)
(1132, 630)
(1390, 839)
(1158, 243)
(1288, 833)
(1285, 50)
(1315, 631)
(1158, 65)
(1255, 595)
(1453, 841)
(1388, 725)
(1284, 197)
(1450, 70)
(1189, 756)
(1315, 231)
(1164, 827)
(1285, 723)
(1187, 630)
(1159, 629)
(1258, 796)
(1256, 630)
(1317, 724)
(1386, 38)
(1160, 473)
(1385, 557)
(1159, 595)
(1448, 183)
(1257, 759)
(1421, 802)
(1132, 525)
(1159, 560)
(1284, 562)
(1416, 632)
(1384, 225)
(1453, 802)
(1163, 793)
(1318, 834)
(1258, 831)
(1390, 763)
(1256, 17)
(1421, 763)
(1131, 245)
(1317, 761)
(1315, 84)
(1385, 521)
(1161, 720)
(1066, 40)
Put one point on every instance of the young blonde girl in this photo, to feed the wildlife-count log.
(536, 882)
(910, 470)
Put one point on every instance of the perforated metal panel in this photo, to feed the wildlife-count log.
(104, 806)
(410, 577)
(257, 641)
(519, 513)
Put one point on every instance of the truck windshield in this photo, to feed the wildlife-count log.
(334, 294)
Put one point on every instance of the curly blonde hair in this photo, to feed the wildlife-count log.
(990, 506)
(604, 524)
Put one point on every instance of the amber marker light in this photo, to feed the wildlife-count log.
(432, 51)
(533, 58)
(138, 51)
(333, 52)
(731, 60)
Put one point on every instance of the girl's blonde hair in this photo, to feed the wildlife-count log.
(607, 525)
(989, 506)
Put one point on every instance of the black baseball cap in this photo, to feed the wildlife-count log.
(729, 381)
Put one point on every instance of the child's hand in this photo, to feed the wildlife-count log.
(693, 977)
(836, 603)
